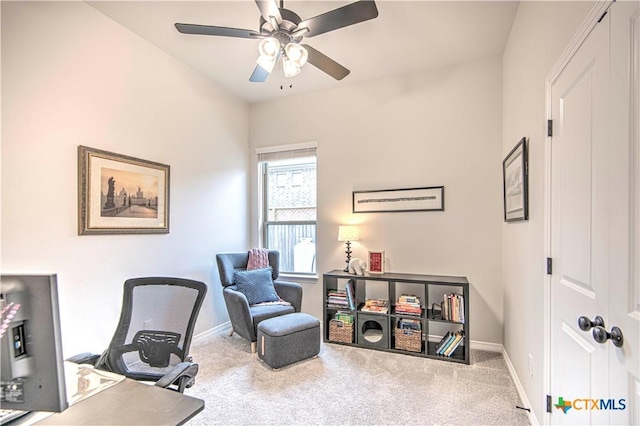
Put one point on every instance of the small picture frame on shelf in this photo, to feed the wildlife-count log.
(376, 261)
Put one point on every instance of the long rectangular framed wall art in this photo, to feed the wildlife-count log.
(399, 200)
(118, 194)
(515, 183)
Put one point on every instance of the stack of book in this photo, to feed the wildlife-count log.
(337, 299)
(408, 304)
(449, 343)
(376, 305)
(453, 307)
(342, 299)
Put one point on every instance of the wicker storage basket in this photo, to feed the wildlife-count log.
(340, 332)
(409, 340)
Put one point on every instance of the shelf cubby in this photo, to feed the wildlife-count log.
(375, 330)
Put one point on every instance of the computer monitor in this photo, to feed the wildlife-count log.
(31, 363)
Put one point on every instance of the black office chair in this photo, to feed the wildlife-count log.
(154, 334)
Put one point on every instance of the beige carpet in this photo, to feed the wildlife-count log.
(350, 386)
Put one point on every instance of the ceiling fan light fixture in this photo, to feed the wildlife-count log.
(269, 47)
(281, 30)
(266, 62)
(296, 54)
(289, 68)
(300, 32)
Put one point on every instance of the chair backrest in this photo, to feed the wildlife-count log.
(155, 328)
(230, 262)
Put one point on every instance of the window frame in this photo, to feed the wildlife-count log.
(265, 224)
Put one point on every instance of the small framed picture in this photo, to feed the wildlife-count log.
(376, 262)
(515, 183)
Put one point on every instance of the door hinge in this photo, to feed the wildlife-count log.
(548, 403)
(549, 266)
(603, 15)
(549, 128)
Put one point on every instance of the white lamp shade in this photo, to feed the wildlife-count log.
(269, 47)
(348, 233)
(289, 68)
(297, 54)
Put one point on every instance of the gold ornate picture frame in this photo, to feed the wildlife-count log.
(118, 194)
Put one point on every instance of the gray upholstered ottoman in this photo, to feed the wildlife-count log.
(289, 338)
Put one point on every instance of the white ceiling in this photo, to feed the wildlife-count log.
(406, 37)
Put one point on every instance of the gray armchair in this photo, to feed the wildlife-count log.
(245, 318)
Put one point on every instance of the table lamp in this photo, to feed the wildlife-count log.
(348, 233)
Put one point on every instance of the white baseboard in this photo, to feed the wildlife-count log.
(212, 331)
(486, 346)
(523, 396)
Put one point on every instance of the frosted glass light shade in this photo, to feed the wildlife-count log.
(296, 54)
(269, 47)
(289, 68)
(348, 233)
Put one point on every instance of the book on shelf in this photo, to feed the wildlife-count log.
(337, 299)
(409, 299)
(444, 347)
(442, 341)
(408, 311)
(453, 340)
(454, 345)
(453, 307)
(343, 317)
(376, 305)
(408, 304)
(351, 291)
(409, 324)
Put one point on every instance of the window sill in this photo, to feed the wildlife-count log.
(311, 279)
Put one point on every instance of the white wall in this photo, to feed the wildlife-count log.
(540, 33)
(74, 77)
(441, 127)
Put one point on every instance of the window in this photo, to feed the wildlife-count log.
(289, 207)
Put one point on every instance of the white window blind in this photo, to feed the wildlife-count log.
(286, 152)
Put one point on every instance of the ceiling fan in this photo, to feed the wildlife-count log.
(281, 32)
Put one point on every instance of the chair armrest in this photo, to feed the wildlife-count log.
(183, 375)
(239, 313)
(291, 292)
(84, 358)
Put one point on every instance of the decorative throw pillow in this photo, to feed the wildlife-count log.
(256, 285)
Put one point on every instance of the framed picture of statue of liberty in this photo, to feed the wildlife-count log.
(118, 194)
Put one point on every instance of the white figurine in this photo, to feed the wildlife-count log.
(357, 266)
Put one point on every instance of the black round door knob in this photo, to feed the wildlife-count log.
(586, 324)
(601, 335)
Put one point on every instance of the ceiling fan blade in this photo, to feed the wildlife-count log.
(325, 63)
(259, 75)
(269, 8)
(216, 31)
(350, 14)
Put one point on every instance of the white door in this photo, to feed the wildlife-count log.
(591, 223)
(624, 309)
(580, 227)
